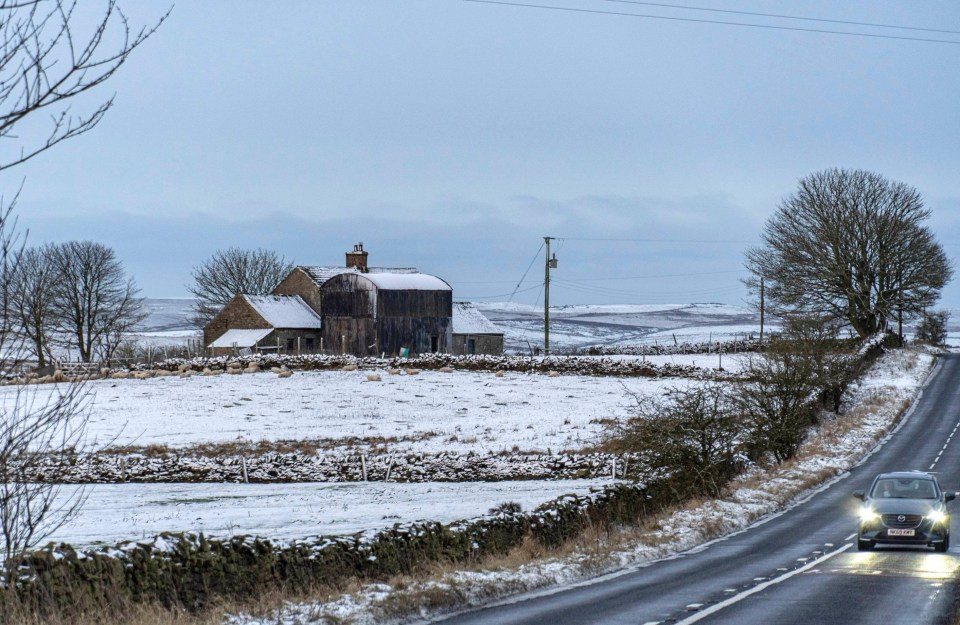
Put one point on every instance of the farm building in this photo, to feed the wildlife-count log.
(281, 323)
(364, 310)
(473, 333)
(377, 313)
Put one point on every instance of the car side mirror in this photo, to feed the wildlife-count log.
(859, 494)
(949, 496)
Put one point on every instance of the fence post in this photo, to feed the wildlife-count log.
(243, 466)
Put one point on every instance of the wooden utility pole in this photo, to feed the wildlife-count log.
(900, 304)
(761, 310)
(550, 263)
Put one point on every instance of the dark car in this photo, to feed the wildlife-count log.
(907, 508)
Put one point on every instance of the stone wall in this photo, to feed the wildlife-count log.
(236, 314)
(299, 283)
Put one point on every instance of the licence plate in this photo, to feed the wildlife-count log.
(896, 532)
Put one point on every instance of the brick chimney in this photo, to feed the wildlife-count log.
(357, 258)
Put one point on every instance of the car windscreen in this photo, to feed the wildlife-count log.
(904, 488)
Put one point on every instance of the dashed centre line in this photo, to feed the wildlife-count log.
(945, 445)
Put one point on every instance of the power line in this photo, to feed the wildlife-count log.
(511, 294)
(785, 17)
(651, 276)
(525, 272)
(627, 240)
(706, 21)
(596, 279)
(599, 290)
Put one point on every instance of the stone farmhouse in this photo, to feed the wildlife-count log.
(354, 309)
(473, 333)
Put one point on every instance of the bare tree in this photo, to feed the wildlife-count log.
(47, 59)
(777, 399)
(932, 328)
(35, 424)
(231, 271)
(37, 427)
(850, 245)
(49, 55)
(31, 300)
(94, 300)
(691, 434)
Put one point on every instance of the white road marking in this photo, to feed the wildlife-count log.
(945, 445)
(851, 536)
(758, 588)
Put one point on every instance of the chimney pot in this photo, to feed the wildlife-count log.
(357, 258)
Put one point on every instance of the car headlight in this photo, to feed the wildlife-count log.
(938, 517)
(868, 516)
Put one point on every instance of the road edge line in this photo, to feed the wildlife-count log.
(760, 587)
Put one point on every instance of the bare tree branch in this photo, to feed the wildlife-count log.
(47, 60)
(850, 245)
(93, 300)
(232, 271)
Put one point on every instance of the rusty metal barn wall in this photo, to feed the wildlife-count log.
(349, 335)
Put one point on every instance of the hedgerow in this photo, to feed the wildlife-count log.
(189, 571)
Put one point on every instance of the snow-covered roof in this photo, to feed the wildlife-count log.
(407, 282)
(320, 274)
(240, 338)
(284, 311)
(468, 320)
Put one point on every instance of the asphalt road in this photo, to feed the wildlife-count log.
(801, 566)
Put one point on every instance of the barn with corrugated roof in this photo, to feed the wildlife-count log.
(387, 313)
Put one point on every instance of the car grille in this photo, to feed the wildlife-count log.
(901, 520)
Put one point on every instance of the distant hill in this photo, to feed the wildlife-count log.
(579, 327)
(171, 314)
(571, 327)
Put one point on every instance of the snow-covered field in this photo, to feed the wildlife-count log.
(119, 512)
(433, 411)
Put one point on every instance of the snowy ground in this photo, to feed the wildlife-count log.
(896, 376)
(433, 411)
(118, 512)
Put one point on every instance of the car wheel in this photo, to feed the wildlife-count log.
(864, 545)
(942, 547)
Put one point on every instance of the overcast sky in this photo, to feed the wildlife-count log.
(453, 136)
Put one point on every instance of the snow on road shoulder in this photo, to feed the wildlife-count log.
(838, 444)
